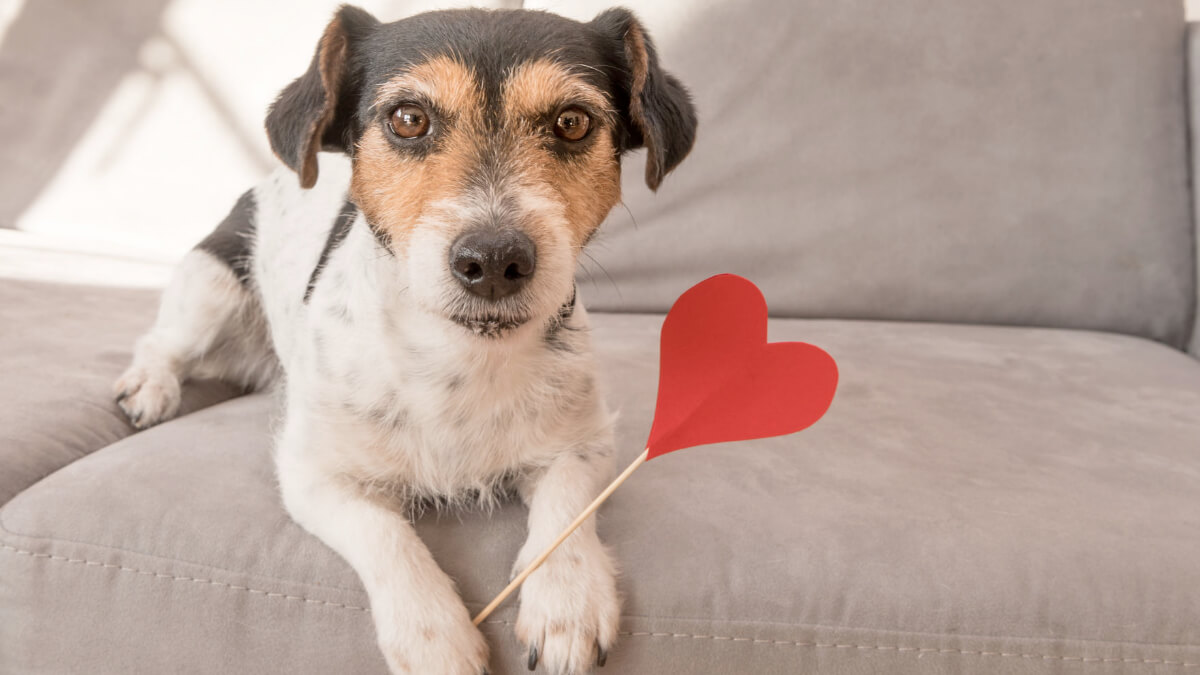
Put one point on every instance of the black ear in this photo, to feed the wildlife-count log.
(315, 111)
(660, 113)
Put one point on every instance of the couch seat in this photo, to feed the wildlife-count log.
(978, 499)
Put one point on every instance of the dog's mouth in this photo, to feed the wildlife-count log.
(489, 325)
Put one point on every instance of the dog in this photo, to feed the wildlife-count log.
(416, 304)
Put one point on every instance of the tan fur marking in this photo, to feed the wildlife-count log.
(588, 184)
(394, 190)
(332, 61)
(539, 87)
(635, 50)
(450, 84)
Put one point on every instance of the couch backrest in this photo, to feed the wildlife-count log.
(1009, 161)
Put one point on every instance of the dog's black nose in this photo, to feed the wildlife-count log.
(493, 263)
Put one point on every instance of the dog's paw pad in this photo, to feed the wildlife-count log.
(148, 396)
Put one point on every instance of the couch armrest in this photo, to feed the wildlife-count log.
(61, 347)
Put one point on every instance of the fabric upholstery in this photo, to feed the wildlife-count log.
(1194, 108)
(985, 500)
(61, 348)
(1019, 162)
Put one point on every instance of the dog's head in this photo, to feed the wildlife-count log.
(486, 144)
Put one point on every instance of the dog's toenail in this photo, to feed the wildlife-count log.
(601, 656)
(533, 657)
(122, 396)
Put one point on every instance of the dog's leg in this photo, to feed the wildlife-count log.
(421, 623)
(569, 606)
(208, 323)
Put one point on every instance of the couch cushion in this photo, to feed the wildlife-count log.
(61, 348)
(977, 500)
(1018, 162)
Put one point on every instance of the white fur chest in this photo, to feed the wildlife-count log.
(411, 402)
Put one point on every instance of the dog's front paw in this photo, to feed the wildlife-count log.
(148, 394)
(434, 641)
(569, 612)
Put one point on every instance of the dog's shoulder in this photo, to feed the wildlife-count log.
(287, 213)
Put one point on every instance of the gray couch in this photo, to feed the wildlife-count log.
(983, 210)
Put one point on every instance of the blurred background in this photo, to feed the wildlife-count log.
(129, 127)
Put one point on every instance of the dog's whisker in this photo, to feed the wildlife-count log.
(630, 213)
(605, 271)
(591, 278)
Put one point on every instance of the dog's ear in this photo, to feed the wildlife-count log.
(315, 111)
(659, 114)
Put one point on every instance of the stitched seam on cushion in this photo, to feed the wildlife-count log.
(920, 635)
(480, 604)
(918, 650)
(176, 577)
(168, 559)
(715, 638)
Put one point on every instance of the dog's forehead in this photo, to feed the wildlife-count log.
(492, 44)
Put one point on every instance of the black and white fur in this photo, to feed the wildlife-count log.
(388, 398)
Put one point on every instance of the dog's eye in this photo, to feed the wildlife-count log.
(409, 121)
(572, 124)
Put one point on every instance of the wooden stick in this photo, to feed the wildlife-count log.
(537, 562)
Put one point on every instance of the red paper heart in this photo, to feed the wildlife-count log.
(720, 380)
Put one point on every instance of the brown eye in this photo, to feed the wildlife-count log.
(572, 124)
(409, 121)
